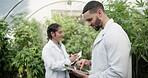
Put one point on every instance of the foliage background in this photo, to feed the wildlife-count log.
(21, 56)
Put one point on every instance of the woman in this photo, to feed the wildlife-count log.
(54, 54)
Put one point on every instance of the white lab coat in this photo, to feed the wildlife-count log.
(111, 53)
(54, 60)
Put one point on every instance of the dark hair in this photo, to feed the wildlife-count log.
(52, 28)
(93, 6)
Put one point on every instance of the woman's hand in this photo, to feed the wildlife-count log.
(73, 57)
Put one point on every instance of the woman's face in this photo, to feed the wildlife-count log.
(58, 35)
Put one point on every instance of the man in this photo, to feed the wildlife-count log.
(111, 50)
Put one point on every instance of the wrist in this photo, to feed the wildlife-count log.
(71, 60)
(85, 76)
(89, 62)
(67, 62)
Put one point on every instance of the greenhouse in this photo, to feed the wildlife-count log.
(24, 28)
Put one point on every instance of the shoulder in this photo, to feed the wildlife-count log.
(115, 33)
(115, 30)
(47, 46)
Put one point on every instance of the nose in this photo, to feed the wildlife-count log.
(89, 23)
(62, 34)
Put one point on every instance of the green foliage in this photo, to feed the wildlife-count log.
(140, 43)
(29, 63)
(3, 39)
(27, 45)
(140, 3)
(21, 55)
(5, 54)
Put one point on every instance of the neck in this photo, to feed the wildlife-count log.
(106, 19)
(56, 42)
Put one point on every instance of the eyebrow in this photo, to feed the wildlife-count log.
(60, 31)
(89, 19)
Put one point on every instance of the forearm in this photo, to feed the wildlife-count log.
(88, 63)
(57, 65)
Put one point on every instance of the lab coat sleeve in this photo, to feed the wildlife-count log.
(118, 49)
(51, 63)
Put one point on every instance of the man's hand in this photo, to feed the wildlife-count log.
(82, 75)
(83, 62)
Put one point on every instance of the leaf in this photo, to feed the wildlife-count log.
(146, 59)
(20, 69)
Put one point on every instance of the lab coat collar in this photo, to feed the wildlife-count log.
(54, 45)
(107, 26)
(102, 32)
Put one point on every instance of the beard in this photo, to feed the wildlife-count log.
(98, 24)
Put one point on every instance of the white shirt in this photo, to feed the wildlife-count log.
(111, 53)
(54, 60)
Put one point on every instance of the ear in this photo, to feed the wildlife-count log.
(52, 34)
(100, 12)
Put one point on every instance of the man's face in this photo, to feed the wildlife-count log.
(93, 20)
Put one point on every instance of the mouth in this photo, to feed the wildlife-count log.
(61, 37)
(93, 26)
(96, 27)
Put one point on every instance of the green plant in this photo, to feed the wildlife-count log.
(140, 42)
(27, 45)
(3, 41)
(6, 54)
